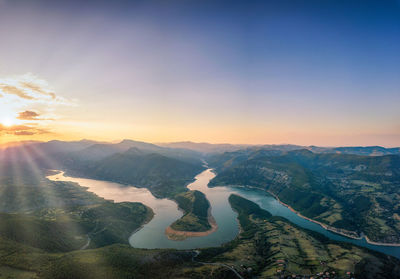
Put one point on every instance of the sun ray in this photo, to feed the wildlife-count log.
(40, 171)
(51, 196)
(17, 182)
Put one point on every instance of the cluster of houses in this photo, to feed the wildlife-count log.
(280, 272)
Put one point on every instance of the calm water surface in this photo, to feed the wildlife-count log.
(166, 212)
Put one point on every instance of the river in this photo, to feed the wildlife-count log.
(152, 235)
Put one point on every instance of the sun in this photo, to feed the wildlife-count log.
(7, 121)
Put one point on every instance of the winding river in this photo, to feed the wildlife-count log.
(152, 235)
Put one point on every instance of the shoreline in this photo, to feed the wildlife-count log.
(345, 233)
(348, 234)
(176, 235)
(148, 220)
(381, 243)
(172, 234)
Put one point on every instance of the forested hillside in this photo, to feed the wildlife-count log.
(350, 192)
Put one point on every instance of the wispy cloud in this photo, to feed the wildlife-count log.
(30, 115)
(22, 130)
(9, 89)
(29, 87)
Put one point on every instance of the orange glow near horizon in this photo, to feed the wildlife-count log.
(113, 132)
(182, 71)
(50, 121)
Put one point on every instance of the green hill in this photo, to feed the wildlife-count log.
(67, 229)
(195, 205)
(351, 192)
(276, 248)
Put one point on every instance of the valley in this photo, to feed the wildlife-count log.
(81, 220)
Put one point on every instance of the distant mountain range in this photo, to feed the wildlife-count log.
(80, 155)
(96, 150)
(225, 147)
(359, 150)
(205, 147)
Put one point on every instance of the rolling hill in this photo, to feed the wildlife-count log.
(349, 192)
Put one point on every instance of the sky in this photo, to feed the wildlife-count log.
(309, 72)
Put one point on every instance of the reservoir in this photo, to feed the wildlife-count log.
(152, 235)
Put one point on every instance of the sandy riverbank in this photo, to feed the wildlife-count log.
(381, 243)
(182, 235)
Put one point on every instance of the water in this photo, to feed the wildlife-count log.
(152, 235)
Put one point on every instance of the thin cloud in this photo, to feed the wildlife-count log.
(13, 90)
(28, 115)
(38, 89)
(24, 133)
(30, 87)
(22, 130)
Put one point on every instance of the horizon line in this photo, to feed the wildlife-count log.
(188, 141)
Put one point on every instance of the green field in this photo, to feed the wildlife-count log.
(273, 247)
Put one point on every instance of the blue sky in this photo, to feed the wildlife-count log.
(306, 72)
